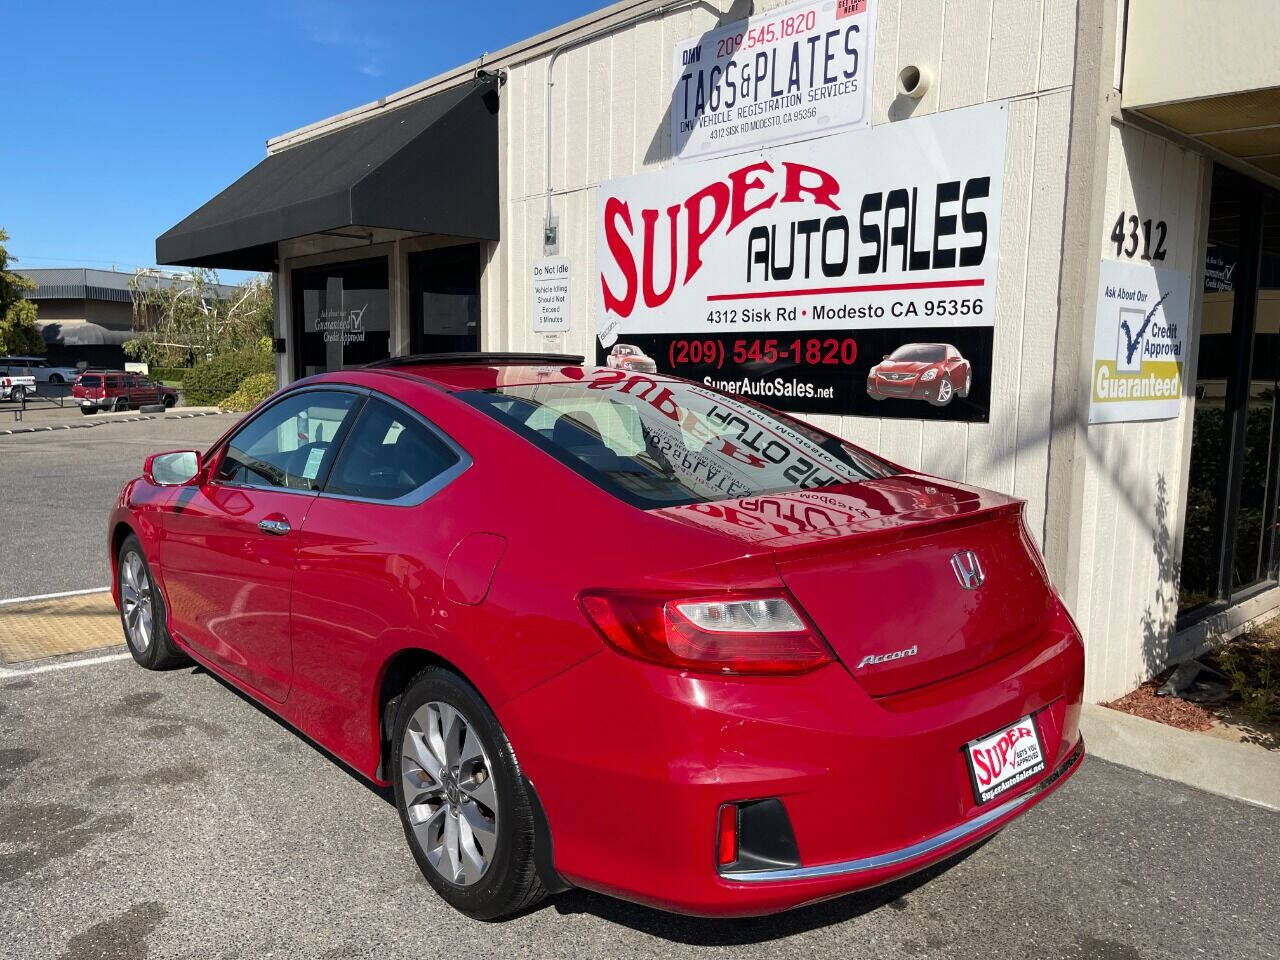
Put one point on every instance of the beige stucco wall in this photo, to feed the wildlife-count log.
(1135, 473)
(609, 120)
(1188, 49)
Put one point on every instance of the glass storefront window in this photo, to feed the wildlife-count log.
(341, 316)
(1252, 563)
(444, 300)
(1229, 535)
(1203, 530)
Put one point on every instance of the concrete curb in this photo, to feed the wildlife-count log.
(1241, 771)
(85, 425)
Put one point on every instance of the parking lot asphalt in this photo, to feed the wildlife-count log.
(148, 815)
(57, 488)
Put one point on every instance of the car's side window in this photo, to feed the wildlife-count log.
(389, 455)
(291, 444)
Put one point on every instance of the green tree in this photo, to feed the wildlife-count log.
(187, 320)
(18, 333)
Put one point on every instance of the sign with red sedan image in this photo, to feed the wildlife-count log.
(935, 372)
(807, 276)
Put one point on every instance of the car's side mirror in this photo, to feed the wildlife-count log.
(172, 469)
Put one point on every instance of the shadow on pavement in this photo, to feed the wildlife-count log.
(385, 793)
(705, 932)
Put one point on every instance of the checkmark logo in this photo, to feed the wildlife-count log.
(1132, 340)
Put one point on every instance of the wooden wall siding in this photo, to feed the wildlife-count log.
(610, 119)
(1128, 554)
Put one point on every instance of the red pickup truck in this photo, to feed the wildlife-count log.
(96, 390)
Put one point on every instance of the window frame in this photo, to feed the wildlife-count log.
(220, 452)
(420, 494)
(413, 498)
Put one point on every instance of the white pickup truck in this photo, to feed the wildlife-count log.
(17, 389)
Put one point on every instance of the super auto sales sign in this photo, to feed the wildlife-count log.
(853, 274)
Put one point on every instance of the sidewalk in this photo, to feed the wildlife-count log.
(35, 629)
(1241, 771)
(69, 418)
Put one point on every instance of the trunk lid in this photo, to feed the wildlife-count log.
(874, 565)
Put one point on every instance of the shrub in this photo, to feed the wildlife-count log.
(169, 374)
(256, 388)
(211, 382)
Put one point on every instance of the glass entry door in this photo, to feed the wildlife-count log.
(1229, 542)
(341, 316)
(444, 300)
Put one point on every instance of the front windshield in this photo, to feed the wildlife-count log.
(920, 353)
(665, 443)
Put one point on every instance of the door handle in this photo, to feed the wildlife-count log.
(276, 527)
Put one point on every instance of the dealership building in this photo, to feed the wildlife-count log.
(1024, 244)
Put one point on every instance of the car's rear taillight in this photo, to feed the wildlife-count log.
(727, 835)
(733, 633)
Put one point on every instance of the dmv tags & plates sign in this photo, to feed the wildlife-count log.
(796, 72)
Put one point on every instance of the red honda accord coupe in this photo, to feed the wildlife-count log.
(613, 630)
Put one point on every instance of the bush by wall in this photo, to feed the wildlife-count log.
(256, 388)
(169, 374)
(211, 382)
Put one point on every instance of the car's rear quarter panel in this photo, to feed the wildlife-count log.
(369, 580)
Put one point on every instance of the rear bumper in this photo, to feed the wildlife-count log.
(632, 764)
(929, 850)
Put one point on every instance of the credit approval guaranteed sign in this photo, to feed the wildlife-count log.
(854, 274)
(802, 70)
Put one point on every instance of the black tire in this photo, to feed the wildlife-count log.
(159, 653)
(88, 410)
(169, 401)
(18, 394)
(510, 883)
(56, 379)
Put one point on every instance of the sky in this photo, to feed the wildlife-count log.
(121, 118)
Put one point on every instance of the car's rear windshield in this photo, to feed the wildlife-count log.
(920, 353)
(661, 443)
(90, 380)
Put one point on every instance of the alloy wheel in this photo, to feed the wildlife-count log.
(135, 601)
(944, 391)
(449, 792)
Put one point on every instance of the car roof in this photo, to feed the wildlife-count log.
(486, 371)
(489, 377)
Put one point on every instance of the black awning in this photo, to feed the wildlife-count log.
(428, 167)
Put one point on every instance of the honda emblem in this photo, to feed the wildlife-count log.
(967, 569)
